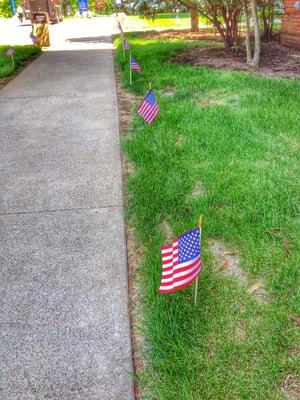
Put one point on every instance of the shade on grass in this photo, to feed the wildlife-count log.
(238, 135)
(22, 53)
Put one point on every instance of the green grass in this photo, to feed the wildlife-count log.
(22, 53)
(166, 20)
(244, 149)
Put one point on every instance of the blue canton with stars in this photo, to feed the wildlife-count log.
(189, 246)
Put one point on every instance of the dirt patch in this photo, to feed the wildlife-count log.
(197, 191)
(165, 226)
(276, 60)
(180, 140)
(134, 249)
(134, 257)
(240, 333)
(259, 291)
(291, 387)
(218, 97)
(228, 263)
(184, 34)
(126, 102)
(168, 92)
(295, 353)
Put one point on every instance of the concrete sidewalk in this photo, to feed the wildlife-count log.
(64, 321)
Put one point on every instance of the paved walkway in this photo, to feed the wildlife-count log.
(63, 281)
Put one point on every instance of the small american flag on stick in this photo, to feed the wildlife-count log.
(33, 38)
(134, 65)
(10, 52)
(181, 261)
(148, 108)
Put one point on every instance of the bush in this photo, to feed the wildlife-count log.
(5, 10)
(101, 7)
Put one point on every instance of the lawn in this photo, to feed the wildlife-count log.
(166, 20)
(22, 54)
(236, 135)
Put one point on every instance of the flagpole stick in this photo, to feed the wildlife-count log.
(150, 85)
(196, 282)
(13, 62)
(130, 70)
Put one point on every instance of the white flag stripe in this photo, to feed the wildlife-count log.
(171, 251)
(179, 274)
(181, 282)
(185, 264)
(171, 257)
(166, 251)
(170, 264)
(179, 265)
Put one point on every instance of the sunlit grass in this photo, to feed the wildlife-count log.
(165, 20)
(243, 146)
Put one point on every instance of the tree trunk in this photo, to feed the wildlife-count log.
(194, 19)
(248, 33)
(229, 41)
(256, 55)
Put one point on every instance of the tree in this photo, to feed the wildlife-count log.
(194, 19)
(266, 10)
(252, 59)
(225, 15)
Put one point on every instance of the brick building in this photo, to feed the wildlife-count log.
(290, 35)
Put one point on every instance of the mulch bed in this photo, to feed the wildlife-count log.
(276, 60)
(183, 34)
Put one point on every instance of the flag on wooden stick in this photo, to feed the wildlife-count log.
(10, 53)
(33, 38)
(181, 261)
(134, 65)
(148, 108)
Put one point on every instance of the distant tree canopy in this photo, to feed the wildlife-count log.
(96, 6)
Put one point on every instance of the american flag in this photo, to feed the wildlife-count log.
(134, 65)
(126, 45)
(33, 38)
(10, 52)
(181, 261)
(148, 108)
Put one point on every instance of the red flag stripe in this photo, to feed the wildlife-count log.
(179, 269)
(178, 286)
(173, 288)
(153, 114)
(168, 247)
(185, 264)
(168, 263)
(145, 111)
(181, 274)
(167, 250)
